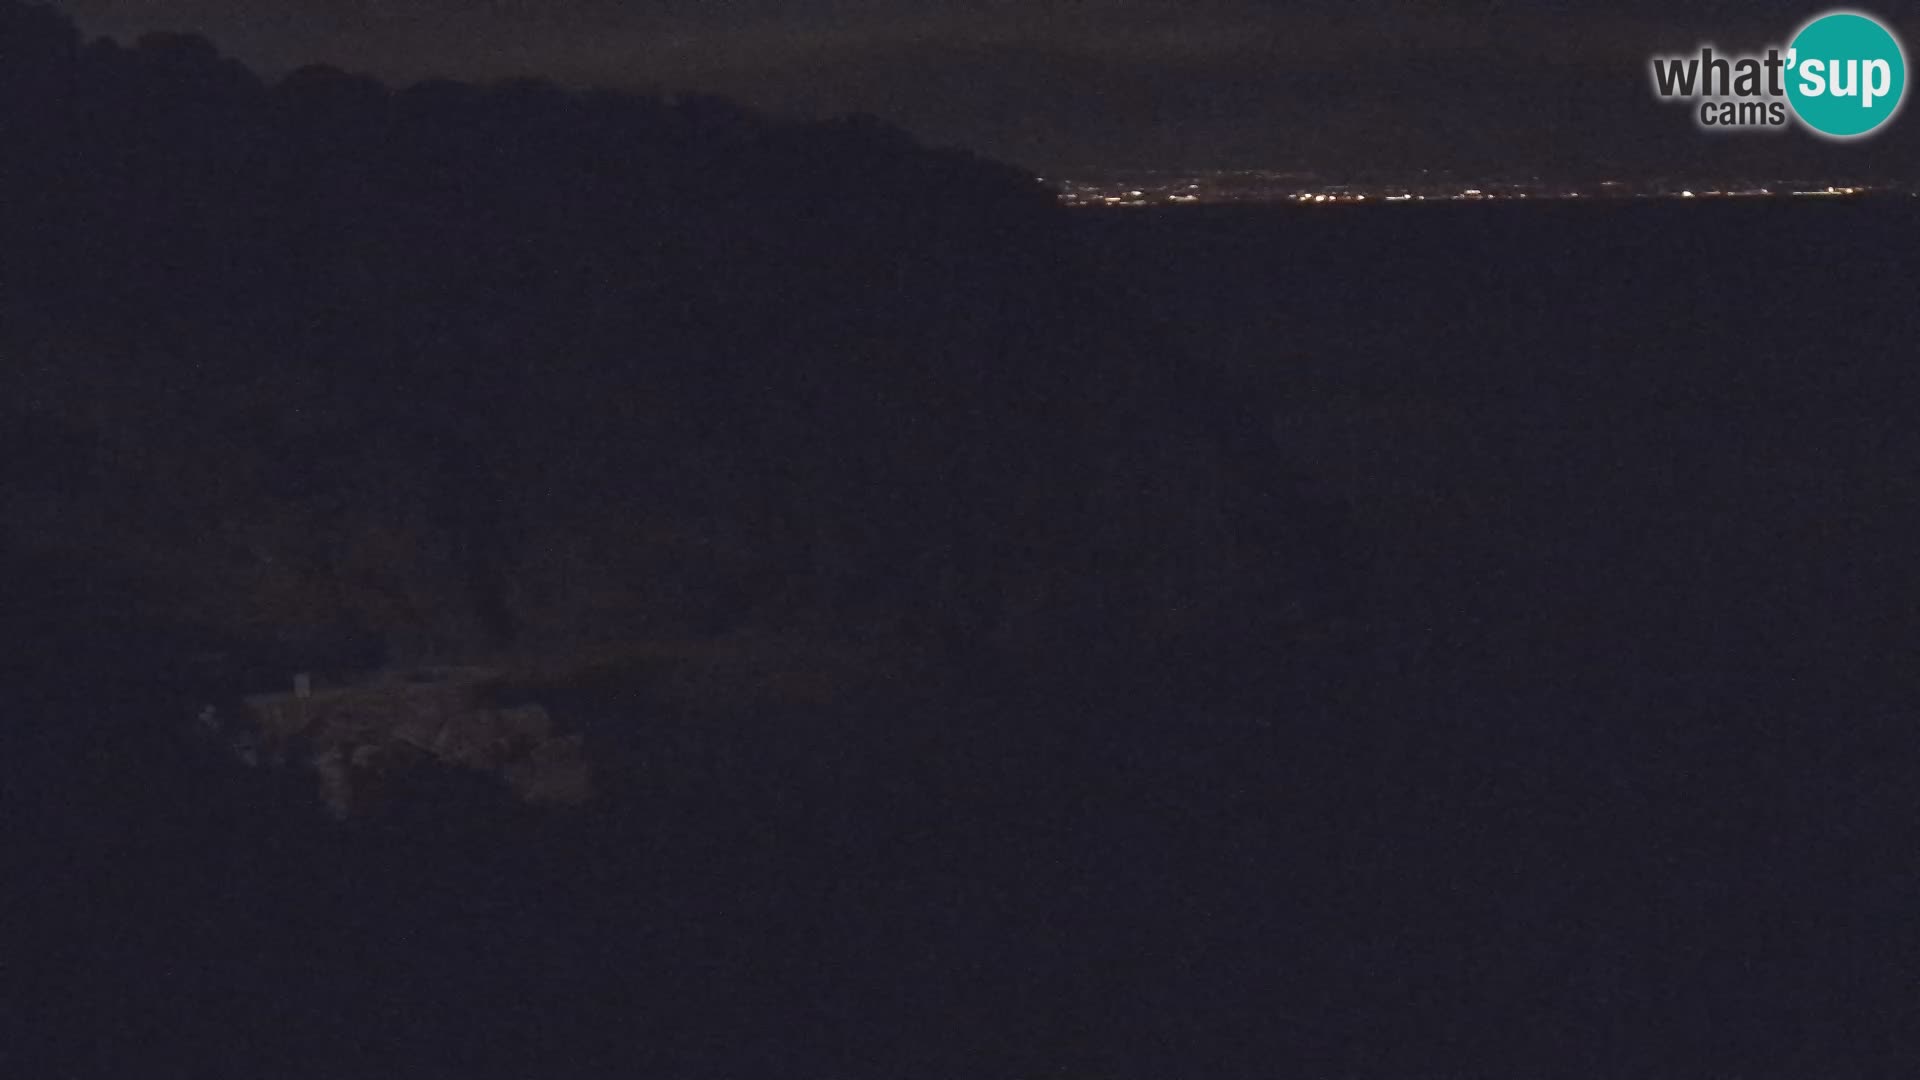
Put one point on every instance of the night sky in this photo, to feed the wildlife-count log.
(1391, 85)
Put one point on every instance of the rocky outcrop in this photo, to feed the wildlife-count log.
(364, 741)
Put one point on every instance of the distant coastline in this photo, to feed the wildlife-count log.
(1266, 188)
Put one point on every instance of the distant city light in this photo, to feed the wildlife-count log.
(1255, 186)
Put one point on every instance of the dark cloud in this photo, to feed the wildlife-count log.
(1089, 83)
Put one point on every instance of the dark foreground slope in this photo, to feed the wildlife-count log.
(324, 376)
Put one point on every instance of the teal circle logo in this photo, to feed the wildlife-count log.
(1846, 74)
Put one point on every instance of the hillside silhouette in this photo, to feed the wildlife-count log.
(885, 501)
(383, 375)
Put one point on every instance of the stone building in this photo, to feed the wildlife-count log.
(363, 740)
